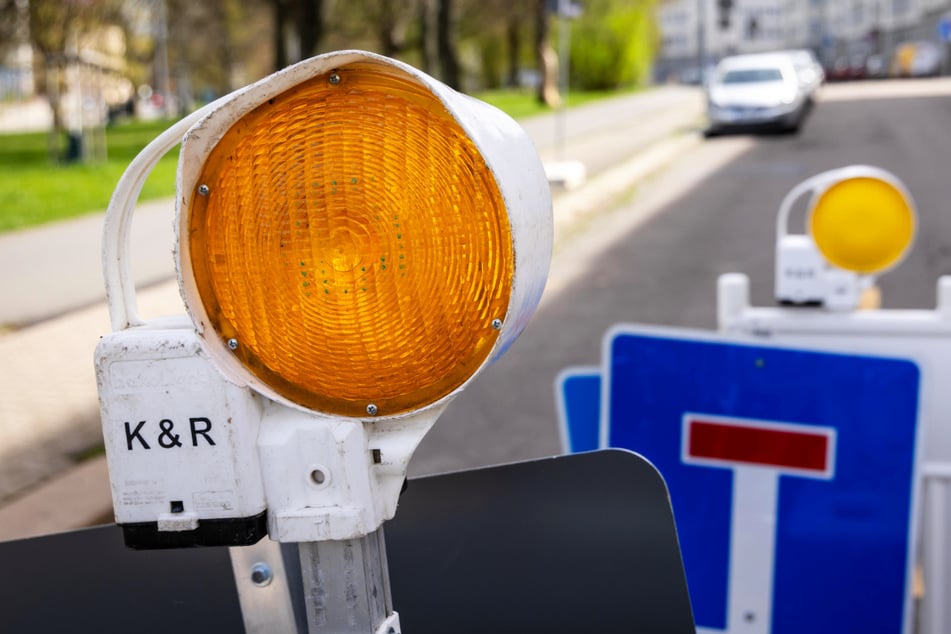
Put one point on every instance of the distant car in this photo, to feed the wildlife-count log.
(811, 74)
(917, 59)
(850, 67)
(760, 90)
(875, 67)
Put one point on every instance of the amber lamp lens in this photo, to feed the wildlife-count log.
(349, 242)
(863, 225)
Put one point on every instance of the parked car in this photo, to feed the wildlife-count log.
(917, 59)
(760, 90)
(848, 67)
(811, 73)
(876, 67)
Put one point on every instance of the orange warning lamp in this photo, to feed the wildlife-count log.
(346, 245)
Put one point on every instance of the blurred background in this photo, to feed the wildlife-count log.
(77, 65)
(73, 68)
(854, 39)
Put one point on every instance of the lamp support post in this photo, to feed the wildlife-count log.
(347, 586)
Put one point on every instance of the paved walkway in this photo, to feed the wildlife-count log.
(49, 411)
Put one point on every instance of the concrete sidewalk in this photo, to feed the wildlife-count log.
(49, 414)
(57, 268)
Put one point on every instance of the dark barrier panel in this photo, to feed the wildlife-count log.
(580, 543)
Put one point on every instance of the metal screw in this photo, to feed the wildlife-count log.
(261, 574)
(749, 616)
(318, 477)
(334, 79)
(497, 324)
(233, 344)
(203, 189)
(372, 409)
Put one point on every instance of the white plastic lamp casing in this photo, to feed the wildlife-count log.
(319, 477)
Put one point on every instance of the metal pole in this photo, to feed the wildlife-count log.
(934, 548)
(347, 586)
(701, 38)
(269, 590)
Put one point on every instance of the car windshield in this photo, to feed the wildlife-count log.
(751, 75)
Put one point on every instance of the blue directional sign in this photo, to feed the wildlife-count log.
(792, 474)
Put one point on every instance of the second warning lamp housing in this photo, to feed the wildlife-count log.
(355, 242)
(861, 221)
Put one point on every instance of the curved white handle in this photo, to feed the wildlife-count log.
(808, 185)
(820, 182)
(120, 287)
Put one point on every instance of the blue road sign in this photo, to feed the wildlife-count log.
(792, 473)
(944, 27)
(578, 400)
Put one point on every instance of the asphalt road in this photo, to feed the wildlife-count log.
(713, 212)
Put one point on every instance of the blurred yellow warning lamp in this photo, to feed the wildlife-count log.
(862, 220)
(358, 239)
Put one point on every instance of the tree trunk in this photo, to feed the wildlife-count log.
(392, 41)
(547, 58)
(514, 38)
(311, 27)
(427, 37)
(280, 41)
(223, 49)
(446, 42)
(52, 70)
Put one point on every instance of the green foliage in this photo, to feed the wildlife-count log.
(492, 62)
(33, 191)
(612, 44)
(518, 104)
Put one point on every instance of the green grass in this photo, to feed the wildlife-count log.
(35, 190)
(520, 104)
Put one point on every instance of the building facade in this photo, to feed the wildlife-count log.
(696, 33)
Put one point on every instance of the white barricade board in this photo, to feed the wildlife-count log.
(923, 336)
(792, 471)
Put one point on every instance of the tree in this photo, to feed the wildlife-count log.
(547, 58)
(496, 29)
(279, 14)
(392, 19)
(298, 27)
(11, 24)
(56, 29)
(215, 46)
(514, 22)
(446, 44)
(310, 26)
(426, 18)
(612, 44)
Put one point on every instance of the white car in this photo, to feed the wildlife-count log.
(811, 74)
(761, 90)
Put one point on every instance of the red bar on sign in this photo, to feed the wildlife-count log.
(758, 445)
